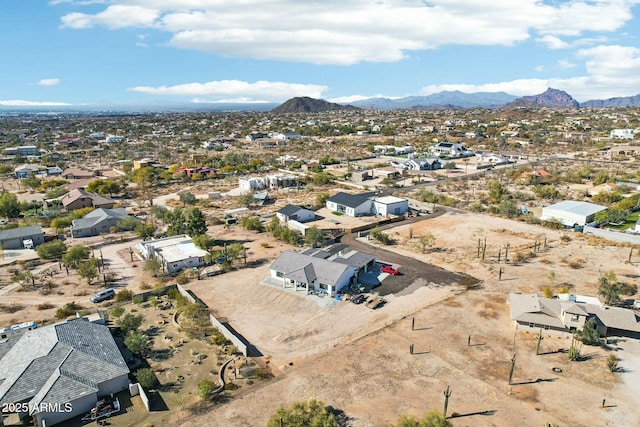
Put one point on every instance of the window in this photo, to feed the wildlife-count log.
(323, 286)
(279, 274)
(575, 317)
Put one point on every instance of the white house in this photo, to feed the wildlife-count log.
(288, 135)
(450, 149)
(295, 213)
(390, 205)
(423, 164)
(571, 213)
(621, 134)
(315, 272)
(175, 253)
(350, 204)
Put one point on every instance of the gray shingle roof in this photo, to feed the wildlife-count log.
(326, 272)
(353, 258)
(289, 210)
(58, 363)
(99, 215)
(350, 200)
(15, 233)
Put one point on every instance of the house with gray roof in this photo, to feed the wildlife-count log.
(61, 370)
(174, 253)
(568, 313)
(15, 238)
(295, 213)
(350, 204)
(97, 222)
(317, 273)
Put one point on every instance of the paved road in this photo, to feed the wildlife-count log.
(411, 269)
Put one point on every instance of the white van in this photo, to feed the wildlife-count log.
(103, 295)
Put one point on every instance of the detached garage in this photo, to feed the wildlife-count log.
(22, 237)
(390, 205)
(571, 213)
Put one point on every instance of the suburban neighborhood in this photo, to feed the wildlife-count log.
(208, 268)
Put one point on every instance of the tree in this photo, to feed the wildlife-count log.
(75, 255)
(321, 198)
(588, 334)
(176, 222)
(314, 236)
(128, 224)
(88, 270)
(153, 266)
(609, 288)
(188, 199)
(130, 322)
(312, 413)
(321, 178)
(196, 223)
(137, 342)
(252, 223)
(234, 251)
(206, 389)
(32, 182)
(203, 241)
(117, 312)
(9, 206)
(146, 377)
(496, 191)
(51, 250)
(145, 231)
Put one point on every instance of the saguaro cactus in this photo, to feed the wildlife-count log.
(447, 395)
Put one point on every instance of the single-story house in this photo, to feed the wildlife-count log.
(97, 222)
(423, 164)
(23, 171)
(78, 199)
(569, 313)
(295, 213)
(317, 273)
(450, 149)
(77, 173)
(70, 365)
(175, 253)
(19, 238)
(350, 204)
(571, 213)
(387, 172)
(367, 204)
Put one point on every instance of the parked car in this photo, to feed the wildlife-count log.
(103, 295)
(358, 299)
(388, 269)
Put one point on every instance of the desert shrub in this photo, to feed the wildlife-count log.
(260, 373)
(146, 377)
(145, 286)
(230, 386)
(138, 299)
(565, 238)
(206, 389)
(612, 363)
(67, 310)
(44, 306)
(124, 295)
(574, 353)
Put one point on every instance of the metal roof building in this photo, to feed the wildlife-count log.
(571, 212)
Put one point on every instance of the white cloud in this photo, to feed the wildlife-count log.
(611, 72)
(565, 64)
(48, 82)
(553, 42)
(22, 103)
(351, 31)
(539, 68)
(260, 91)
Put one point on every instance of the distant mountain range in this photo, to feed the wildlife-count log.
(460, 100)
(450, 100)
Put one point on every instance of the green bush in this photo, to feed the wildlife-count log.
(146, 377)
(124, 295)
(138, 299)
(67, 310)
(206, 389)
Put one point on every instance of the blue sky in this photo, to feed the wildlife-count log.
(123, 51)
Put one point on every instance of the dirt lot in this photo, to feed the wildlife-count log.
(358, 360)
